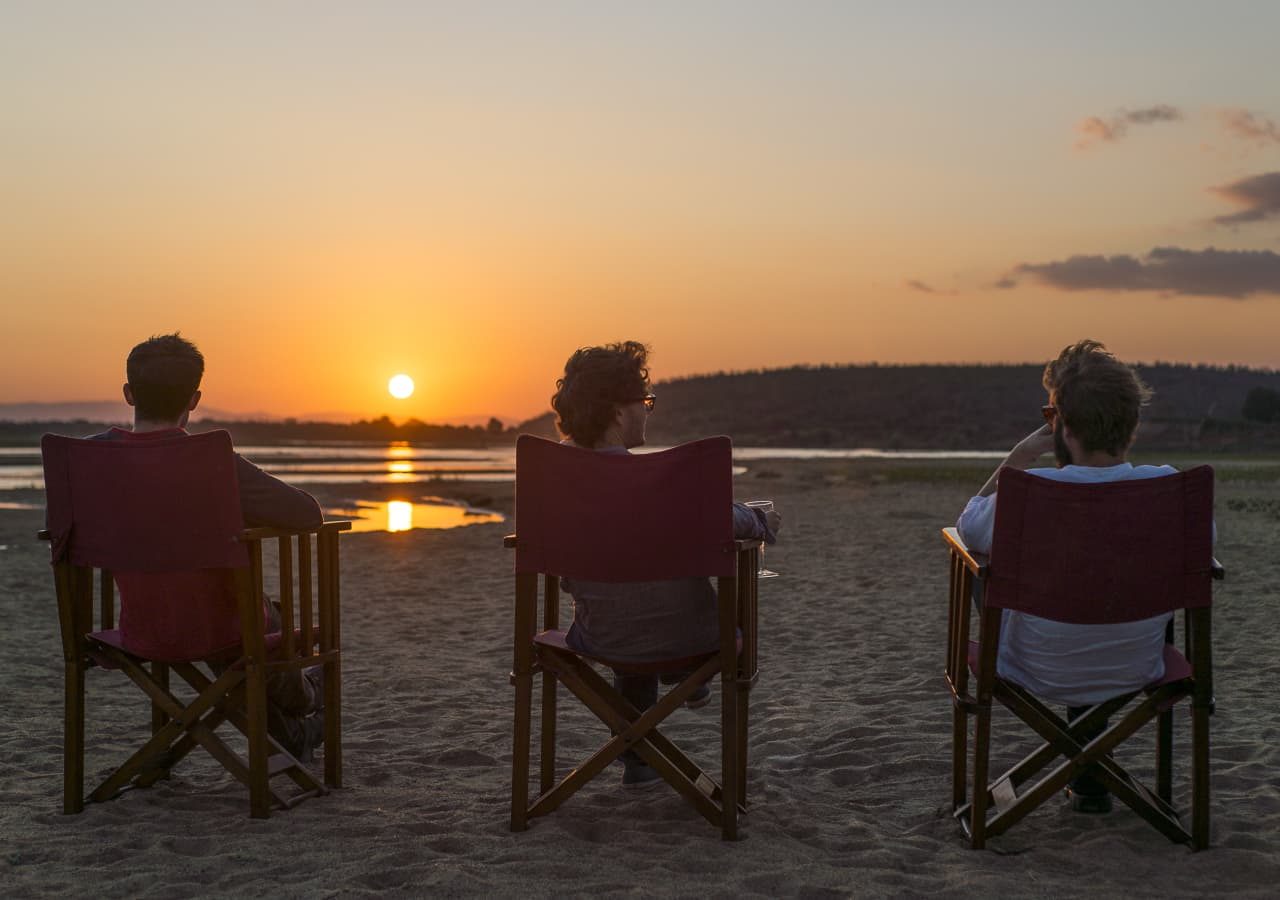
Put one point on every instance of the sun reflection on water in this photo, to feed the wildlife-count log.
(399, 515)
(404, 515)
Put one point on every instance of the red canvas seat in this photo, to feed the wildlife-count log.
(629, 518)
(1084, 554)
(161, 520)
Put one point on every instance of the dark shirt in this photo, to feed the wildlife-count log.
(264, 499)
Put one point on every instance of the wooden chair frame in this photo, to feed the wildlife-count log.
(543, 651)
(998, 803)
(310, 636)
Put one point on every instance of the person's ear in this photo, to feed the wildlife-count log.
(128, 394)
(195, 401)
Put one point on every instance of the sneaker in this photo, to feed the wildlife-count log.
(639, 776)
(312, 736)
(315, 677)
(700, 698)
(1090, 804)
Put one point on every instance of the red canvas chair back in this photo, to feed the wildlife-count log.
(1102, 553)
(164, 517)
(619, 517)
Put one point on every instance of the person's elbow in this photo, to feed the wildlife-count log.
(975, 537)
(309, 514)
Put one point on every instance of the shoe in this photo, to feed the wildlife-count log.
(700, 698)
(315, 677)
(312, 728)
(639, 776)
(1090, 804)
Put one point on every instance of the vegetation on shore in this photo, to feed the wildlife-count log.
(1196, 409)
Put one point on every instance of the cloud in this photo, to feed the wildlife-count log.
(1095, 129)
(1201, 273)
(1248, 125)
(923, 288)
(1258, 194)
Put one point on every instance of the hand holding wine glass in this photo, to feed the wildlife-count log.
(774, 521)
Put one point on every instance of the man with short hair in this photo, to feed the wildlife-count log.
(163, 387)
(1090, 422)
(603, 403)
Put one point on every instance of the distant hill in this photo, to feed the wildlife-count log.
(939, 407)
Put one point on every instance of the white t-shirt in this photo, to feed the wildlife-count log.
(1077, 665)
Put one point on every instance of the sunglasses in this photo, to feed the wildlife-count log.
(1050, 414)
(649, 401)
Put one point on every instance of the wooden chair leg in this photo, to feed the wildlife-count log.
(256, 712)
(743, 707)
(73, 738)
(1200, 777)
(981, 757)
(159, 718)
(333, 723)
(520, 752)
(1164, 756)
(730, 760)
(547, 757)
(959, 755)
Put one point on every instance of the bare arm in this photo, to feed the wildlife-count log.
(1025, 454)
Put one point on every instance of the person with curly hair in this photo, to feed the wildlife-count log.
(603, 403)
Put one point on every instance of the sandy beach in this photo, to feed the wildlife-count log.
(849, 747)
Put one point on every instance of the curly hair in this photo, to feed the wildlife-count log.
(596, 381)
(164, 372)
(1098, 397)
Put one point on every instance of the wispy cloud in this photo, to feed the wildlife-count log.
(1248, 125)
(1173, 270)
(1096, 129)
(1258, 194)
(922, 287)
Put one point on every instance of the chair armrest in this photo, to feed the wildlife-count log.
(975, 562)
(261, 534)
(1216, 569)
(265, 532)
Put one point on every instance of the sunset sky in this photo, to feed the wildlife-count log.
(322, 196)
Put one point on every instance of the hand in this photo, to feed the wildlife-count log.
(1028, 450)
(1024, 455)
(774, 520)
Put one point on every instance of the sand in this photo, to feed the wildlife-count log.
(849, 770)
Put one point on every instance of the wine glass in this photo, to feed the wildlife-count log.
(765, 506)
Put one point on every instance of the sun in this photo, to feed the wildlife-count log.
(400, 386)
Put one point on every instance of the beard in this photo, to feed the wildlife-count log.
(1061, 452)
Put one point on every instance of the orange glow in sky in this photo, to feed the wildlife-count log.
(321, 199)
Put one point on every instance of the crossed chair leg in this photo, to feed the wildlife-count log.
(637, 731)
(1010, 802)
(177, 728)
